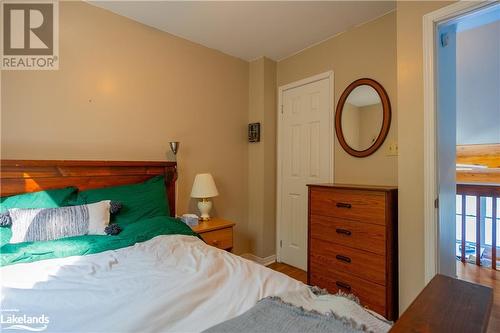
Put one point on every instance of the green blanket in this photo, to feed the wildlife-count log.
(81, 245)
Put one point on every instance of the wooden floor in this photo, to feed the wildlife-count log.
(291, 271)
(487, 277)
(467, 272)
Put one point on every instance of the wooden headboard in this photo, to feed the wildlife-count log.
(22, 176)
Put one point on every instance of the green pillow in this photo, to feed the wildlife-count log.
(42, 199)
(140, 201)
(5, 235)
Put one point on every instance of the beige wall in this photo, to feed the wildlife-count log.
(365, 51)
(262, 159)
(411, 164)
(350, 125)
(122, 92)
(361, 125)
(370, 123)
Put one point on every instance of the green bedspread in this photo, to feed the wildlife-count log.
(132, 233)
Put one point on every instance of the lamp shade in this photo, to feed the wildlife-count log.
(174, 146)
(204, 186)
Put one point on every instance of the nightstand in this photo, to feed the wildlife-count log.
(216, 232)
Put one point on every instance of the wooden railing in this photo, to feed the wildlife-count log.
(479, 191)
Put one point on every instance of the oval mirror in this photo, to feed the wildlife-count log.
(363, 117)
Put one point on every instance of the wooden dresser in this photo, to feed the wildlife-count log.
(352, 243)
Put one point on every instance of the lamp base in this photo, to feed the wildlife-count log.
(205, 205)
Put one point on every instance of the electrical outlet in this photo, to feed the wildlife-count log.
(392, 149)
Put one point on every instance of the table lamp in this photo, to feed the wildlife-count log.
(204, 188)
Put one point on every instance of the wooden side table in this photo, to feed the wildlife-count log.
(216, 232)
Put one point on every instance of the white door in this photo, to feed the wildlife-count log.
(306, 148)
(446, 143)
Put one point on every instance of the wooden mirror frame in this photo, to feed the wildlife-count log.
(386, 122)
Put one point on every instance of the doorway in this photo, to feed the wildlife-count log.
(442, 122)
(468, 118)
(462, 148)
(305, 155)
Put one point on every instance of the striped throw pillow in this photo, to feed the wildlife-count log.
(30, 225)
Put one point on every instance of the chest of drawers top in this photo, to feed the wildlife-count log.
(377, 188)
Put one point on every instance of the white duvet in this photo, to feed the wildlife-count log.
(170, 283)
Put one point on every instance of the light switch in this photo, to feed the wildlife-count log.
(392, 149)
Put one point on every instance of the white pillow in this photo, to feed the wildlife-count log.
(43, 224)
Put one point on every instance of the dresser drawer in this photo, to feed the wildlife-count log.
(363, 264)
(222, 238)
(363, 206)
(363, 236)
(370, 294)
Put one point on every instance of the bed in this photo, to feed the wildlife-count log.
(158, 277)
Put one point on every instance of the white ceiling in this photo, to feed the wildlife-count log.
(249, 30)
(363, 96)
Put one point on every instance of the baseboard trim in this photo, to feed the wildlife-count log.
(263, 261)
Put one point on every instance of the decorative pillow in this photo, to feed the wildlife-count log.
(115, 207)
(139, 201)
(113, 229)
(42, 199)
(43, 224)
(5, 220)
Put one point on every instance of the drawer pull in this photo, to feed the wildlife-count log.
(343, 205)
(343, 231)
(343, 258)
(343, 285)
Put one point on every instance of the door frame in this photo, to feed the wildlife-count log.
(431, 191)
(279, 141)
